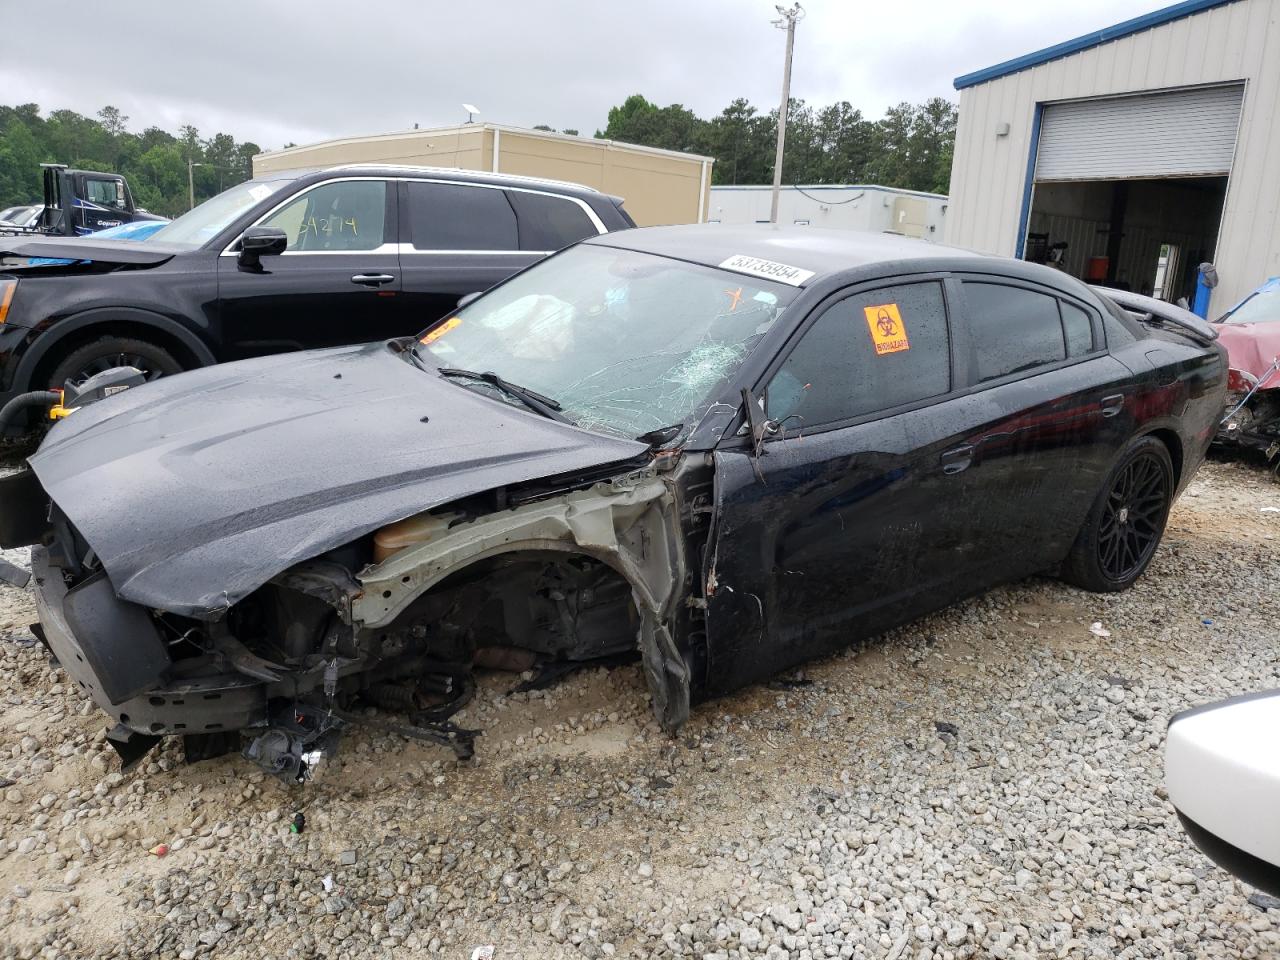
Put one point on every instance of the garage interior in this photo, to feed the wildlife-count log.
(1148, 236)
(1129, 191)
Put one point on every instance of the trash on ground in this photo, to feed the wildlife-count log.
(159, 850)
(1098, 630)
(483, 953)
(327, 882)
(299, 823)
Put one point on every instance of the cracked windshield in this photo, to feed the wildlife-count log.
(624, 342)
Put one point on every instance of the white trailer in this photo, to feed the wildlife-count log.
(843, 206)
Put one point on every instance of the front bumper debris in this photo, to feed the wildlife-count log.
(105, 658)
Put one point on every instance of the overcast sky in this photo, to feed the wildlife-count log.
(274, 72)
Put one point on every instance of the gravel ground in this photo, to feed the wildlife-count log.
(984, 783)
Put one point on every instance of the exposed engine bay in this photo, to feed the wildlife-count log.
(515, 580)
(1251, 418)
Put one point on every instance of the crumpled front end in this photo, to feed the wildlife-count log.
(1251, 415)
(530, 578)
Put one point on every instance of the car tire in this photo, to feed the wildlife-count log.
(106, 352)
(1124, 526)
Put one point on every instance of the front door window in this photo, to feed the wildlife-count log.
(346, 215)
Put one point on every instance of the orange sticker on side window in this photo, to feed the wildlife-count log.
(435, 333)
(888, 332)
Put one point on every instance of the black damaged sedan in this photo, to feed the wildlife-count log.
(723, 451)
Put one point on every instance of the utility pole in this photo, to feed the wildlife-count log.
(786, 22)
(191, 183)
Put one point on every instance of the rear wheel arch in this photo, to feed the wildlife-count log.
(72, 333)
(1174, 445)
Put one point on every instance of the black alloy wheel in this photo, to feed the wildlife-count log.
(1119, 536)
(1133, 517)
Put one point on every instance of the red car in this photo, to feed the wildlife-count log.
(1251, 333)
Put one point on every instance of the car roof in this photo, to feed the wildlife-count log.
(819, 250)
(454, 173)
(849, 255)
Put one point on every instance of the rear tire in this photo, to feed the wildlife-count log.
(1125, 524)
(107, 352)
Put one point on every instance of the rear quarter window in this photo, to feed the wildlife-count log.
(549, 223)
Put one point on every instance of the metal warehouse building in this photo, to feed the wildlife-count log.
(843, 206)
(1132, 154)
(659, 186)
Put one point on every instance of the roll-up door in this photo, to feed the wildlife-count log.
(1181, 133)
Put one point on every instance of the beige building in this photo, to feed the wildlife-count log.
(659, 186)
(1132, 154)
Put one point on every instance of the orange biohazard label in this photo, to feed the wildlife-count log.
(888, 332)
(434, 334)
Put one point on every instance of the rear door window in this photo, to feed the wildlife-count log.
(867, 353)
(1011, 329)
(459, 216)
(549, 223)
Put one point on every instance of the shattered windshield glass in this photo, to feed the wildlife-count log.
(625, 342)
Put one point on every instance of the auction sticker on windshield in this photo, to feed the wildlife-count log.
(888, 332)
(741, 263)
(431, 336)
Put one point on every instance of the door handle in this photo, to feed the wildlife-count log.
(372, 279)
(957, 459)
(1112, 405)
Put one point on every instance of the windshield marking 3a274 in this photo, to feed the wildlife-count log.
(625, 342)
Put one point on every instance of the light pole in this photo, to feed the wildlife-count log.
(786, 22)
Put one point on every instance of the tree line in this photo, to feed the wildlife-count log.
(910, 147)
(153, 161)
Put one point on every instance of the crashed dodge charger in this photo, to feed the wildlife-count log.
(724, 451)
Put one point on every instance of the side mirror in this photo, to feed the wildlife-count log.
(464, 300)
(1222, 772)
(257, 242)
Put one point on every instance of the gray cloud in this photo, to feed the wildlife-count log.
(276, 72)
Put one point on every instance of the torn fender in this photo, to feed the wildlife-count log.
(628, 523)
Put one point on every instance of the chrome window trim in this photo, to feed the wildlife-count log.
(406, 248)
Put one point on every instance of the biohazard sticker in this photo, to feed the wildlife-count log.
(888, 332)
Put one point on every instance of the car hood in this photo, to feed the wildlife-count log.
(1252, 347)
(194, 490)
(103, 251)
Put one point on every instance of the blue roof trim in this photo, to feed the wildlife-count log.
(1145, 22)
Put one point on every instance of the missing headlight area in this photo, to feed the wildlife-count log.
(400, 620)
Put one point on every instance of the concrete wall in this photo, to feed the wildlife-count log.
(1234, 42)
(659, 186)
(845, 207)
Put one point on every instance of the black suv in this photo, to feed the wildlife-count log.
(284, 262)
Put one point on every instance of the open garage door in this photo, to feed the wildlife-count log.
(1182, 133)
(1129, 190)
